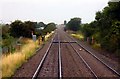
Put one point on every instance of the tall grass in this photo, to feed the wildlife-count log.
(78, 36)
(48, 35)
(13, 61)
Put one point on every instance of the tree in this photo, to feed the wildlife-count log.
(106, 27)
(40, 24)
(17, 28)
(5, 30)
(74, 24)
(28, 27)
(49, 27)
(39, 28)
(110, 16)
(111, 41)
(65, 22)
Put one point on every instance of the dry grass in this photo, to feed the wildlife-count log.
(96, 46)
(10, 63)
(0, 65)
(13, 61)
(48, 35)
(78, 36)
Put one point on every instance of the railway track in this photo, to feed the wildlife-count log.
(54, 63)
(50, 65)
(112, 73)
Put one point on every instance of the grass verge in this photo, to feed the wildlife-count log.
(11, 62)
(96, 46)
(78, 36)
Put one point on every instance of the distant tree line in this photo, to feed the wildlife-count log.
(25, 29)
(11, 32)
(73, 24)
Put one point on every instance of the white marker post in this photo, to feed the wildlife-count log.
(34, 37)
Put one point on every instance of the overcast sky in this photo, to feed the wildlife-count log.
(50, 10)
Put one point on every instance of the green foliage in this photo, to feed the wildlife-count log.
(8, 40)
(19, 28)
(16, 29)
(28, 28)
(40, 24)
(88, 31)
(106, 27)
(25, 29)
(114, 36)
(74, 24)
(39, 28)
(109, 28)
(5, 30)
(49, 27)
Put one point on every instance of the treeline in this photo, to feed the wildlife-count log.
(105, 29)
(25, 29)
(12, 32)
(73, 24)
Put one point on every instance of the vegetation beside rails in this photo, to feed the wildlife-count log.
(104, 31)
(81, 37)
(12, 33)
(78, 35)
(11, 62)
(14, 60)
(96, 46)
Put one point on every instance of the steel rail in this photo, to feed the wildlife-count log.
(100, 60)
(84, 61)
(59, 60)
(64, 42)
(96, 57)
(43, 59)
